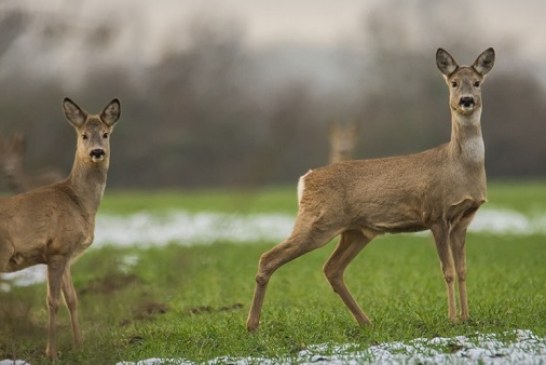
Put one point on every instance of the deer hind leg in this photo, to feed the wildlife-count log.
(71, 300)
(299, 243)
(441, 238)
(55, 269)
(351, 243)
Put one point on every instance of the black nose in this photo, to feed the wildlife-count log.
(466, 101)
(98, 152)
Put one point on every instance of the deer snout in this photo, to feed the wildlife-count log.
(97, 154)
(467, 101)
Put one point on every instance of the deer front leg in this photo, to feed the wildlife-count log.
(71, 300)
(441, 238)
(351, 243)
(55, 269)
(457, 242)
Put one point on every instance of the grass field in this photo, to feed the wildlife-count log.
(191, 302)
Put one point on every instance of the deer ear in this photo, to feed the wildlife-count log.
(485, 61)
(73, 113)
(445, 62)
(111, 112)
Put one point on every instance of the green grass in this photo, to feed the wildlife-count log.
(264, 200)
(523, 196)
(191, 302)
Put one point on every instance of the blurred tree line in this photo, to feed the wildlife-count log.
(218, 112)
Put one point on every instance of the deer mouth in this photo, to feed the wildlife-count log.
(467, 104)
(97, 155)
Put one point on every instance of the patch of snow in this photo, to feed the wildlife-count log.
(189, 228)
(505, 221)
(482, 349)
(184, 228)
(29, 276)
(145, 229)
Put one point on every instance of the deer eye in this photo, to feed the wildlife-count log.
(84, 136)
(476, 84)
(454, 83)
(105, 135)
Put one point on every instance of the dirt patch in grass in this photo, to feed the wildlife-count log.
(208, 309)
(109, 284)
(150, 309)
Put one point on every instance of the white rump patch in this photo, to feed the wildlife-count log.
(301, 186)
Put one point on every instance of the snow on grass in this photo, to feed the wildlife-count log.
(184, 228)
(145, 229)
(190, 228)
(506, 221)
(29, 276)
(521, 347)
(486, 349)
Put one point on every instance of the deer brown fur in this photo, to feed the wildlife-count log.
(439, 189)
(53, 225)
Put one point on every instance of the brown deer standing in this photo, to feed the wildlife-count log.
(11, 158)
(438, 189)
(53, 225)
(343, 138)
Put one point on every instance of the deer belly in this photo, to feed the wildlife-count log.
(394, 222)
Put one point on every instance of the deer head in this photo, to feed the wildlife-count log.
(93, 130)
(465, 81)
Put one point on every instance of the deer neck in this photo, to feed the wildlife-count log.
(466, 143)
(88, 181)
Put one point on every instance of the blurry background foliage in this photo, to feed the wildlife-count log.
(205, 104)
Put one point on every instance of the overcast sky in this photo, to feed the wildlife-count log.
(316, 21)
(326, 21)
(148, 28)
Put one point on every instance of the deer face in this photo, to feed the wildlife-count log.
(465, 81)
(93, 130)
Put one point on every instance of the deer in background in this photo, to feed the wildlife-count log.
(54, 224)
(11, 159)
(343, 139)
(439, 189)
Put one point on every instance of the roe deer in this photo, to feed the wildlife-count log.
(11, 158)
(343, 138)
(439, 189)
(54, 224)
